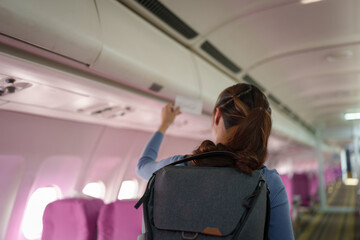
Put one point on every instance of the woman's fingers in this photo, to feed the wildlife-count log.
(168, 115)
(177, 110)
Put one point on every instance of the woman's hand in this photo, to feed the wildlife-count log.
(168, 114)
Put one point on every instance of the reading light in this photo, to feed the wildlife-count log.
(309, 1)
(352, 116)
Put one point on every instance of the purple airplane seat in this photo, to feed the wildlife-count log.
(300, 186)
(120, 220)
(71, 219)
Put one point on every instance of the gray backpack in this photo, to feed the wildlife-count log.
(203, 203)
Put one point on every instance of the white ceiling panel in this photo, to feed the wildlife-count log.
(293, 27)
(331, 86)
(298, 67)
(313, 83)
(207, 15)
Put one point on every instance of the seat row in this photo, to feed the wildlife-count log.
(303, 187)
(89, 219)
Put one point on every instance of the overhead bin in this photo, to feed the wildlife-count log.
(137, 54)
(212, 82)
(69, 28)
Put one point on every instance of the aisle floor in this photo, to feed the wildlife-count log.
(332, 226)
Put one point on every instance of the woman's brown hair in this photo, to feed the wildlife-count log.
(247, 118)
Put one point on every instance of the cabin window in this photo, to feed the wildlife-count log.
(32, 221)
(129, 189)
(95, 189)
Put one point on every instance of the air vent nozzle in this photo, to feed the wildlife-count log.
(156, 87)
(8, 86)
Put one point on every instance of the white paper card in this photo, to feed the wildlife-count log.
(189, 105)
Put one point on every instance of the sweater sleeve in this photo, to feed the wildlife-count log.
(280, 222)
(147, 164)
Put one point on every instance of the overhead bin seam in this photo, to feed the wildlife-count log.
(2, 35)
(102, 42)
(197, 71)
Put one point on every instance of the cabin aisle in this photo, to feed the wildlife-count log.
(334, 226)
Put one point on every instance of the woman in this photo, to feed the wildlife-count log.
(242, 125)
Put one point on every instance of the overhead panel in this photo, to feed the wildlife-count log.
(252, 38)
(43, 96)
(69, 28)
(209, 15)
(315, 88)
(212, 82)
(285, 125)
(297, 67)
(139, 55)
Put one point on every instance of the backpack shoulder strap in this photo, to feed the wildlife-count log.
(203, 156)
(267, 219)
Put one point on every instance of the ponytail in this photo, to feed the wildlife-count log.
(247, 119)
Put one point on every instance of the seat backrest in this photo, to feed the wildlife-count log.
(119, 220)
(301, 184)
(71, 219)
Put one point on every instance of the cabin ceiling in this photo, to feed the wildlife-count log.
(306, 55)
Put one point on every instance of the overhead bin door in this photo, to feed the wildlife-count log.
(213, 82)
(69, 28)
(138, 54)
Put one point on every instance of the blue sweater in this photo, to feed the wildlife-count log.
(280, 222)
